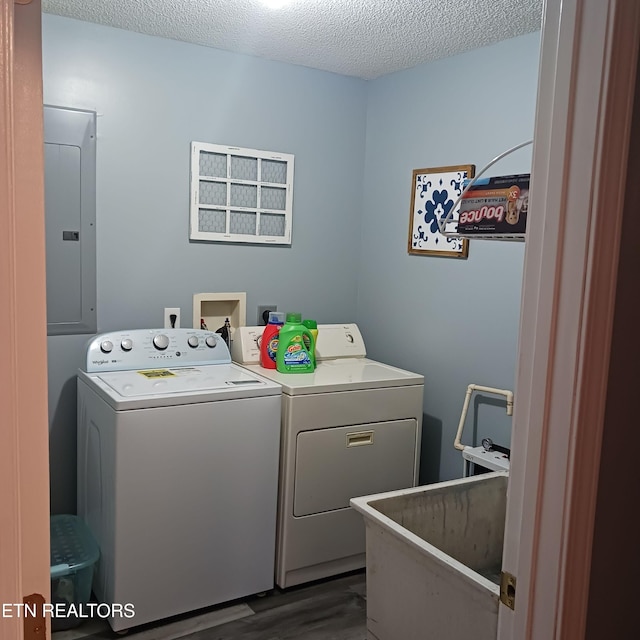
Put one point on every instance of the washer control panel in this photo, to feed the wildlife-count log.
(155, 348)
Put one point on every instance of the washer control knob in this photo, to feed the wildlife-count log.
(193, 341)
(211, 341)
(106, 346)
(126, 344)
(160, 342)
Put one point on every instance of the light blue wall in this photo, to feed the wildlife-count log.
(355, 144)
(153, 97)
(455, 321)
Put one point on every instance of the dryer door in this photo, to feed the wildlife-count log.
(336, 464)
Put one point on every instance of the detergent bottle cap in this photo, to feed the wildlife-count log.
(276, 317)
(294, 318)
(310, 324)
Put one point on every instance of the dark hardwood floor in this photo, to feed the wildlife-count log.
(332, 609)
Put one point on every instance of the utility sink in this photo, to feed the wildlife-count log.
(434, 556)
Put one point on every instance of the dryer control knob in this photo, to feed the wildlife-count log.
(193, 341)
(211, 341)
(160, 342)
(126, 344)
(106, 346)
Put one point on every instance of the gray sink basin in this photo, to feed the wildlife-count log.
(434, 556)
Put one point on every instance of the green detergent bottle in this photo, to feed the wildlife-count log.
(312, 325)
(295, 347)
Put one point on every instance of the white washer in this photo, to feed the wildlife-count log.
(352, 428)
(177, 472)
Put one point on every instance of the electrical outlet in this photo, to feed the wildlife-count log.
(171, 322)
(263, 313)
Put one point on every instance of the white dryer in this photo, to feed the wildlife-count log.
(351, 428)
(177, 472)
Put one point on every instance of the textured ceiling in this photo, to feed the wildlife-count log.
(362, 38)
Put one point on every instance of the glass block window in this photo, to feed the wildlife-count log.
(213, 164)
(271, 225)
(213, 193)
(211, 221)
(243, 168)
(243, 195)
(240, 195)
(274, 198)
(243, 222)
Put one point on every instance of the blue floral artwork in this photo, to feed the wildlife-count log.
(434, 194)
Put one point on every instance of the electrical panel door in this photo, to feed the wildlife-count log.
(70, 214)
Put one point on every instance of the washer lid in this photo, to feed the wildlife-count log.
(343, 374)
(180, 385)
(133, 384)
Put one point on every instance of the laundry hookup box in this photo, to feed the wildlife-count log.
(495, 206)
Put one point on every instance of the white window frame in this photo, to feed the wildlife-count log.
(227, 208)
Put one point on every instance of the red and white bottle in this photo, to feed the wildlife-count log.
(269, 341)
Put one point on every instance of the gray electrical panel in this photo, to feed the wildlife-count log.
(70, 213)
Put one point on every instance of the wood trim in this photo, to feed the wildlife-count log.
(579, 171)
(527, 440)
(613, 583)
(24, 455)
(29, 341)
(10, 582)
(609, 191)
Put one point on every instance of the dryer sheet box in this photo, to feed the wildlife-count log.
(495, 206)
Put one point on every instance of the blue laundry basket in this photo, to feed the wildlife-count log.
(74, 553)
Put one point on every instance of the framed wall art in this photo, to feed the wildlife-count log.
(433, 193)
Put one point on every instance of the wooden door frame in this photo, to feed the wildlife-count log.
(588, 59)
(24, 443)
(583, 122)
